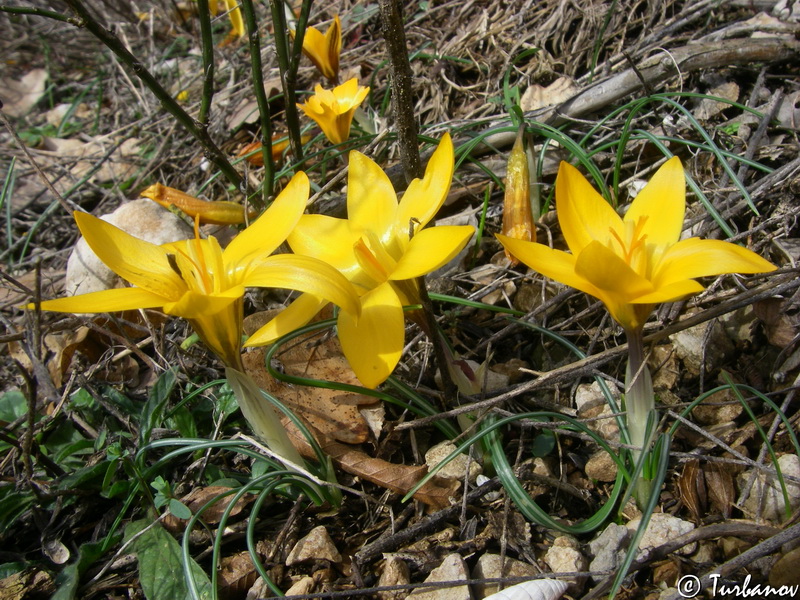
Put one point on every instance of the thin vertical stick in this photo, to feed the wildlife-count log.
(204, 14)
(254, 38)
(402, 102)
(449, 387)
(287, 76)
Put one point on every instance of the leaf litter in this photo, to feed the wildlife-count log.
(469, 63)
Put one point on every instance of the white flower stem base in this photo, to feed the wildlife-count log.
(639, 407)
(262, 416)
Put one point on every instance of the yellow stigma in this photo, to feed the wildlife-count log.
(634, 240)
(369, 262)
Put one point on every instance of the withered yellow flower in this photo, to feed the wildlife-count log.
(323, 50)
(517, 211)
(218, 212)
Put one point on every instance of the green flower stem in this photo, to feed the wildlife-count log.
(39, 12)
(261, 99)
(639, 406)
(288, 68)
(440, 352)
(204, 14)
(262, 417)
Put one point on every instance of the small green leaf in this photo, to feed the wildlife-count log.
(68, 579)
(85, 478)
(543, 444)
(179, 509)
(12, 505)
(225, 404)
(9, 569)
(161, 571)
(183, 420)
(82, 399)
(13, 405)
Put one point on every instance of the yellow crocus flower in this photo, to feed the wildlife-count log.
(381, 248)
(197, 280)
(333, 109)
(634, 262)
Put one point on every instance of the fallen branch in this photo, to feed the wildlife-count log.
(651, 72)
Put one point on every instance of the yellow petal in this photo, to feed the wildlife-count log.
(607, 271)
(314, 47)
(349, 94)
(194, 305)
(271, 229)
(701, 258)
(371, 200)
(104, 301)
(374, 342)
(339, 130)
(632, 316)
(143, 264)
(662, 203)
(425, 196)
(431, 249)
(305, 274)
(555, 264)
(235, 15)
(217, 320)
(294, 316)
(671, 293)
(333, 109)
(583, 214)
(327, 238)
(333, 37)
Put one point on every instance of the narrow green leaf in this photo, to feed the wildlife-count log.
(12, 505)
(153, 411)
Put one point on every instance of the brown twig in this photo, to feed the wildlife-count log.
(386, 544)
(402, 102)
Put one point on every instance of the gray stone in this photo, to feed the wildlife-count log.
(317, 545)
(609, 549)
(489, 567)
(661, 529)
(766, 493)
(564, 556)
(451, 569)
(141, 218)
